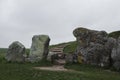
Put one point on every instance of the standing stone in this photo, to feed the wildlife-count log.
(39, 49)
(93, 47)
(15, 52)
(116, 55)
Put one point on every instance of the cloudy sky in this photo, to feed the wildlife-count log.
(21, 19)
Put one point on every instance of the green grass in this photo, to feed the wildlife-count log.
(114, 34)
(55, 45)
(71, 47)
(27, 51)
(3, 51)
(93, 72)
(25, 71)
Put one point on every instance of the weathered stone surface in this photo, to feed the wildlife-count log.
(49, 55)
(116, 54)
(71, 58)
(39, 49)
(15, 52)
(93, 46)
(57, 57)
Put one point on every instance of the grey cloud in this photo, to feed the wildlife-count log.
(21, 19)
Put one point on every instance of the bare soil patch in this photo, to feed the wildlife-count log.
(58, 68)
(53, 68)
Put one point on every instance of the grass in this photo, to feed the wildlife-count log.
(94, 73)
(52, 46)
(27, 51)
(3, 51)
(71, 47)
(114, 34)
(25, 71)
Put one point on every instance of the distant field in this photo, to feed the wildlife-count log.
(3, 50)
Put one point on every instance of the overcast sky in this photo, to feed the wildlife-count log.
(21, 19)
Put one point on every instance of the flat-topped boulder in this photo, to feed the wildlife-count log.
(15, 52)
(39, 48)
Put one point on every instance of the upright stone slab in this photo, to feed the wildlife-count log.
(39, 49)
(15, 52)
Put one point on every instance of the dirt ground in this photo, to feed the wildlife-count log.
(53, 68)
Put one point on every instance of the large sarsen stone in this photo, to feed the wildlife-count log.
(93, 46)
(39, 49)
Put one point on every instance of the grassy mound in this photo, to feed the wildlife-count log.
(114, 34)
(71, 47)
(60, 44)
